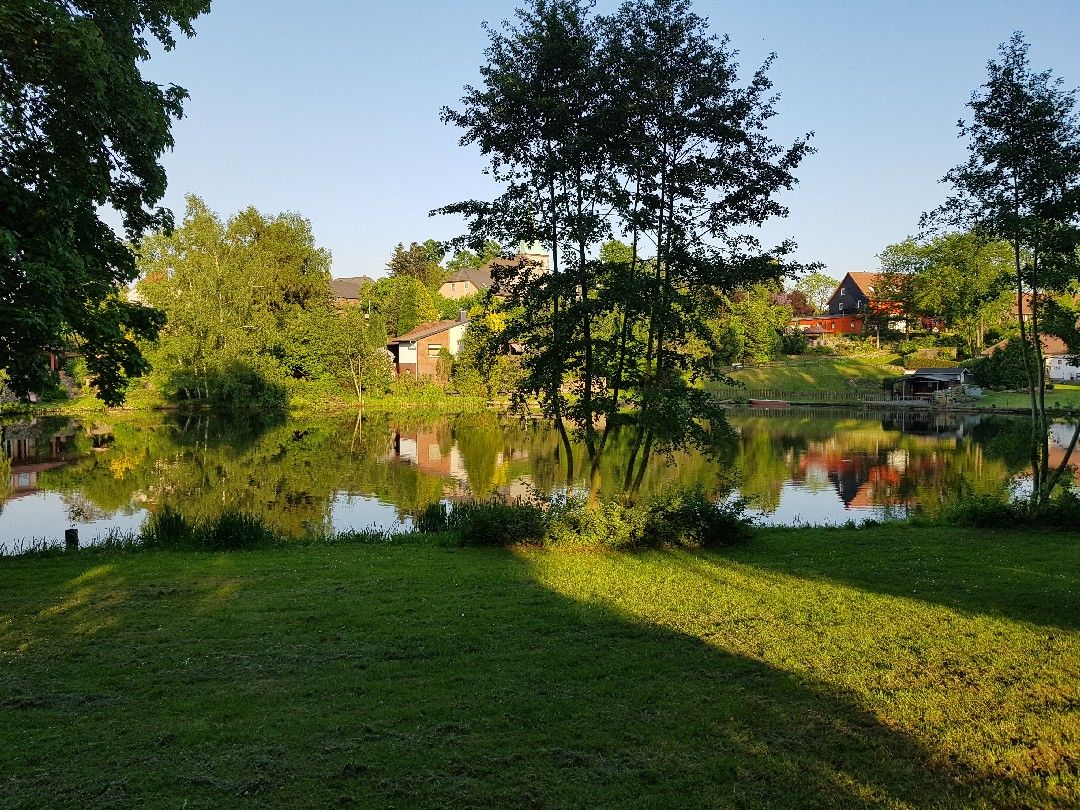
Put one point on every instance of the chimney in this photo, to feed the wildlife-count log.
(463, 315)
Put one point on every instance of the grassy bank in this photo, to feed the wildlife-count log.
(808, 373)
(1063, 397)
(809, 668)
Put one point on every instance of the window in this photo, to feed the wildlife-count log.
(453, 285)
(433, 350)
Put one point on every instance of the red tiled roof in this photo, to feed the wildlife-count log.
(866, 282)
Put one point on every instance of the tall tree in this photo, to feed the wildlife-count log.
(958, 278)
(419, 261)
(818, 288)
(539, 119)
(465, 258)
(632, 124)
(1021, 184)
(80, 131)
(239, 295)
(693, 148)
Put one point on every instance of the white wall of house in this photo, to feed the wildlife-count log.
(454, 337)
(1059, 367)
(407, 352)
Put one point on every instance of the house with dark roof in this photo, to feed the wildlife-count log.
(924, 383)
(856, 292)
(417, 351)
(346, 291)
(471, 280)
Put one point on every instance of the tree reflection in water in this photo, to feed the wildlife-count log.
(290, 472)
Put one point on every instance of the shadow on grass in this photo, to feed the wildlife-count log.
(1031, 576)
(408, 676)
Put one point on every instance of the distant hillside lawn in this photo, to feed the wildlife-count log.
(820, 374)
(811, 668)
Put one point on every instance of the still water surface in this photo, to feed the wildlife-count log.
(325, 474)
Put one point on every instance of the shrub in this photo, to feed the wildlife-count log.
(1003, 368)
(690, 518)
(982, 511)
(496, 523)
(167, 528)
(434, 519)
(928, 361)
(990, 512)
(231, 531)
(794, 341)
(572, 523)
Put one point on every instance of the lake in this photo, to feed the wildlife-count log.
(109, 472)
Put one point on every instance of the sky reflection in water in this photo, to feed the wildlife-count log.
(320, 475)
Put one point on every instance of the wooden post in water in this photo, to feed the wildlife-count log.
(71, 539)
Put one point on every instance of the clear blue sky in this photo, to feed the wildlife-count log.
(331, 108)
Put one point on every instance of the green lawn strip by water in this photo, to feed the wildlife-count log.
(819, 374)
(885, 666)
(1062, 397)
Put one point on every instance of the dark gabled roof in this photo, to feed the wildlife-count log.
(348, 287)
(480, 277)
(866, 282)
(426, 330)
(942, 374)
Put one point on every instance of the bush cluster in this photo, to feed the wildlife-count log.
(688, 519)
(928, 361)
(989, 512)
(229, 531)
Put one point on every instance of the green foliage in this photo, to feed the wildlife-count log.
(1021, 184)
(689, 518)
(572, 523)
(234, 531)
(639, 114)
(1002, 368)
(227, 531)
(794, 341)
(676, 518)
(495, 522)
(986, 511)
(818, 289)
(419, 262)
(961, 279)
(167, 528)
(245, 298)
(403, 302)
(465, 258)
(929, 361)
(82, 132)
(752, 326)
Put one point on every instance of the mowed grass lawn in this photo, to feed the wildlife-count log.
(820, 373)
(1063, 396)
(878, 667)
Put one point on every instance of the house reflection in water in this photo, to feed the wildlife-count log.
(437, 452)
(33, 449)
(875, 476)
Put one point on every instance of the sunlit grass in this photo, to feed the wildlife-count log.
(1061, 397)
(809, 668)
(819, 374)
